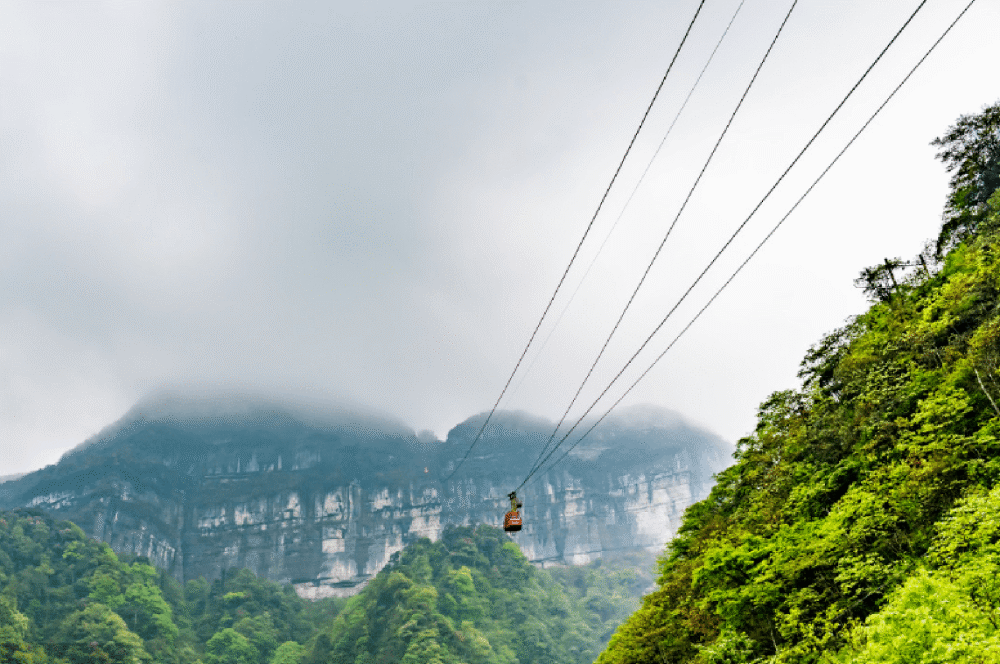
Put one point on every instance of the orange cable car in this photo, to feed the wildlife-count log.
(512, 520)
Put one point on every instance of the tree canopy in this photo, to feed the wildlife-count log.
(858, 523)
(66, 598)
(473, 597)
(970, 150)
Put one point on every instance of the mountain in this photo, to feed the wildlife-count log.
(861, 520)
(322, 497)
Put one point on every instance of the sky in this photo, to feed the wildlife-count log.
(374, 202)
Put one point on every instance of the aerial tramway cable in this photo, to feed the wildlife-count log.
(538, 464)
(621, 213)
(642, 280)
(580, 244)
(757, 249)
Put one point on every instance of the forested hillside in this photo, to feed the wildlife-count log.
(67, 598)
(471, 597)
(861, 522)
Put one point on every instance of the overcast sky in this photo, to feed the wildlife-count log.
(376, 204)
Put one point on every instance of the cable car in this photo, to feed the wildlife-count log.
(512, 520)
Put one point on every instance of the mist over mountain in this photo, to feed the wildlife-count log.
(322, 495)
(200, 406)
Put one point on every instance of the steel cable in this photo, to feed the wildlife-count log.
(657, 253)
(759, 246)
(627, 202)
(579, 245)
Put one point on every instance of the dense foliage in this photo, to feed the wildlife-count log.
(472, 597)
(860, 522)
(971, 151)
(65, 598)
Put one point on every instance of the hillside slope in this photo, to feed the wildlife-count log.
(859, 523)
(66, 599)
(473, 598)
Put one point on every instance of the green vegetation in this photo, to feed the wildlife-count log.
(472, 597)
(610, 590)
(68, 599)
(860, 522)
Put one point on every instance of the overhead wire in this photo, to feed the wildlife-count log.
(580, 243)
(739, 229)
(732, 237)
(659, 249)
(764, 241)
(635, 189)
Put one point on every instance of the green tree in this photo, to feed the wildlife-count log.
(14, 627)
(929, 620)
(98, 635)
(242, 594)
(288, 652)
(228, 646)
(143, 606)
(106, 590)
(261, 633)
(74, 555)
(970, 150)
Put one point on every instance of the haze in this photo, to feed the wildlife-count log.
(376, 204)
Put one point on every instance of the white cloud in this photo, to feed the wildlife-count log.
(379, 202)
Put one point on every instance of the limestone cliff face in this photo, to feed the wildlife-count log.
(323, 505)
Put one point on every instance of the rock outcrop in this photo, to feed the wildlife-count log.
(323, 501)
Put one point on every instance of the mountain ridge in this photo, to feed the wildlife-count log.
(323, 502)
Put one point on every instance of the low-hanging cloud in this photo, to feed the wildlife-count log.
(375, 202)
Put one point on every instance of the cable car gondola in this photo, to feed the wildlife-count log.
(512, 520)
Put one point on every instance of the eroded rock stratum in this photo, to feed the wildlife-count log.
(324, 502)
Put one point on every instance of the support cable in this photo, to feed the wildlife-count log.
(635, 189)
(580, 244)
(656, 255)
(766, 238)
(535, 467)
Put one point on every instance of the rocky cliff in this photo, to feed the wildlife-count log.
(323, 500)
